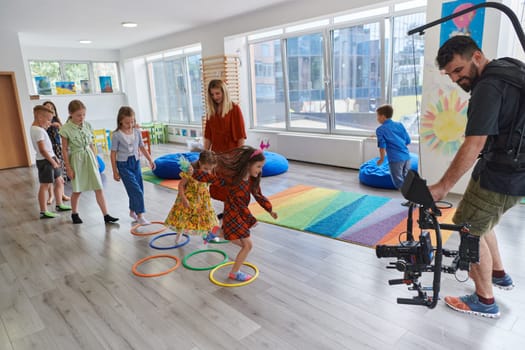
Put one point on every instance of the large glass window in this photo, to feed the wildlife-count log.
(45, 74)
(175, 87)
(333, 80)
(269, 107)
(407, 70)
(304, 58)
(356, 77)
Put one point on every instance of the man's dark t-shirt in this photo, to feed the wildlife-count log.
(492, 107)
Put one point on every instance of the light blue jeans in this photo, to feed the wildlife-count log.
(398, 172)
(131, 176)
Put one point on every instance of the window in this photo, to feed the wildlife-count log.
(407, 70)
(84, 75)
(333, 79)
(175, 87)
(304, 58)
(106, 69)
(357, 76)
(268, 102)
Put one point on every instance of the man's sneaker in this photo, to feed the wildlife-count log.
(47, 215)
(63, 207)
(239, 276)
(504, 282)
(470, 304)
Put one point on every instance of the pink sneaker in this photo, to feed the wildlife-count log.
(239, 276)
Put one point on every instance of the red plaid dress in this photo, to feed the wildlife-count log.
(237, 219)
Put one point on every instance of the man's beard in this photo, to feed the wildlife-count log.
(466, 82)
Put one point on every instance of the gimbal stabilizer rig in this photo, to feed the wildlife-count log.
(415, 257)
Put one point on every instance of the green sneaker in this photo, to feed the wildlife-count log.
(47, 215)
(63, 207)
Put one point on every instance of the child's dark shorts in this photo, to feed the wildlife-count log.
(46, 173)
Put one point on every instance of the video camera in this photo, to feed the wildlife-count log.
(415, 256)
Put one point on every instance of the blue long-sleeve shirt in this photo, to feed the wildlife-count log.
(393, 137)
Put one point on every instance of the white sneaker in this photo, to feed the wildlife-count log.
(133, 215)
(143, 221)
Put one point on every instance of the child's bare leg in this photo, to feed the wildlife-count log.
(43, 190)
(246, 246)
(101, 201)
(50, 191)
(75, 196)
(59, 190)
(177, 237)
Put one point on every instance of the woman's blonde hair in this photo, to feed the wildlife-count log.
(227, 104)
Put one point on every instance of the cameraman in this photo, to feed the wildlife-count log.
(498, 178)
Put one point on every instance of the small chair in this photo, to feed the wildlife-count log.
(100, 139)
(160, 131)
(149, 127)
(147, 140)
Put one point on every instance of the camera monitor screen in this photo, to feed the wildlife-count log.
(415, 190)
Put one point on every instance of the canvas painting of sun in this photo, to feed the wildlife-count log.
(443, 124)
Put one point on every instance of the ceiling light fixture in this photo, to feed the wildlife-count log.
(85, 41)
(129, 24)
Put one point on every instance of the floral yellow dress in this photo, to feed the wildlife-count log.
(200, 217)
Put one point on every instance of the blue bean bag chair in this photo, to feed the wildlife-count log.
(101, 164)
(379, 176)
(275, 164)
(167, 166)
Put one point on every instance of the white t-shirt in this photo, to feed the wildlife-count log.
(40, 134)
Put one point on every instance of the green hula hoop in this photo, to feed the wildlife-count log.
(189, 267)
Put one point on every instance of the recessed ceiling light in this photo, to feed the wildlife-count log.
(85, 41)
(129, 24)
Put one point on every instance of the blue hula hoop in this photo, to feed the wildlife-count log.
(178, 245)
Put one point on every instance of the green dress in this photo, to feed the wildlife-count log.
(81, 157)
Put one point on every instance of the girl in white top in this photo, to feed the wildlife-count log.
(126, 143)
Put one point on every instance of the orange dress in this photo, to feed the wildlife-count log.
(225, 132)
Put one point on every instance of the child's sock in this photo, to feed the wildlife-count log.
(76, 219)
(133, 215)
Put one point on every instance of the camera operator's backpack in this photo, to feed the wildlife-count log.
(508, 148)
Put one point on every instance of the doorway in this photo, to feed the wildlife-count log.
(13, 145)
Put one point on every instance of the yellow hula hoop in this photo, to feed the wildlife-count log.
(135, 233)
(222, 284)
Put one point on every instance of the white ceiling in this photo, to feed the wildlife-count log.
(62, 23)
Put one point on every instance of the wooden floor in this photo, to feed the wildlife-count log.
(65, 286)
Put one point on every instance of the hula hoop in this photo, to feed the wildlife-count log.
(140, 274)
(222, 284)
(189, 267)
(134, 229)
(178, 245)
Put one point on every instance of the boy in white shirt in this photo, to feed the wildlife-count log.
(49, 168)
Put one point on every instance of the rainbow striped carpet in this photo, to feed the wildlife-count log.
(356, 218)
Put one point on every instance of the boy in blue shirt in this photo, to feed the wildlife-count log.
(392, 140)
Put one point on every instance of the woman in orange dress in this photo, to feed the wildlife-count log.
(224, 126)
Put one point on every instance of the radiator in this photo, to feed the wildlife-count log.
(330, 150)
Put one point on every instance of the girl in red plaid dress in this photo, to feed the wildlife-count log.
(243, 168)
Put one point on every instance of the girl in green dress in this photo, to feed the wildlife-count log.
(79, 159)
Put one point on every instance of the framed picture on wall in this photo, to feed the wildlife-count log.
(85, 86)
(105, 84)
(65, 87)
(43, 85)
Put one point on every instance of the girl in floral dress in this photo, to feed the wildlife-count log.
(192, 213)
